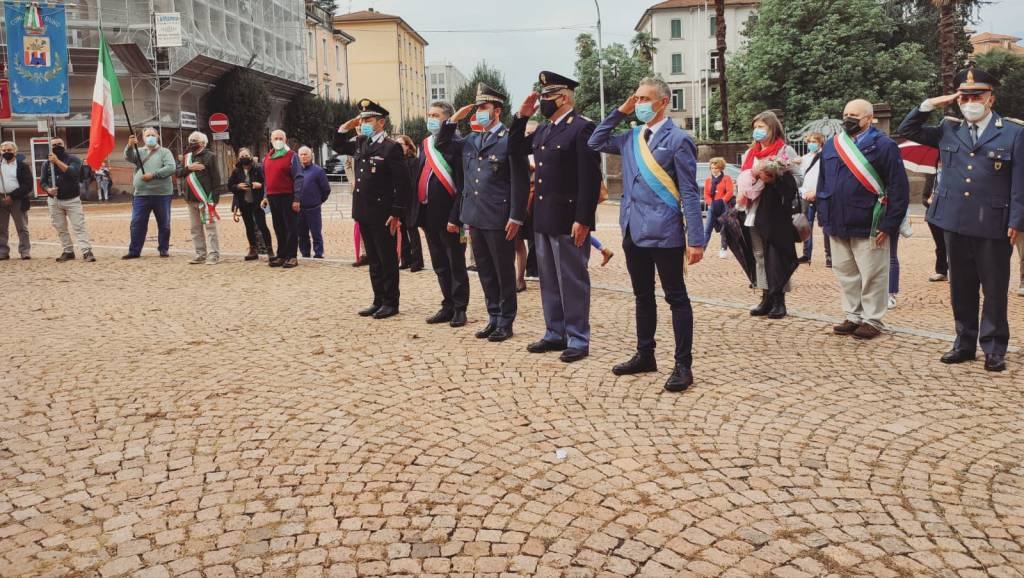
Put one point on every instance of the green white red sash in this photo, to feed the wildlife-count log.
(208, 213)
(865, 173)
(438, 166)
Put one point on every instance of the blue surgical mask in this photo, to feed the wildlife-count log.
(433, 125)
(151, 140)
(483, 118)
(760, 134)
(366, 129)
(812, 147)
(645, 112)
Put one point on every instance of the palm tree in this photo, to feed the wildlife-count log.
(644, 46)
(948, 22)
(723, 89)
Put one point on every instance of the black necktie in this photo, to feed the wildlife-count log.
(974, 134)
(647, 135)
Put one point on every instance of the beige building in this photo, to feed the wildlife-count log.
(327, 54)
(386, 63)
(989, 42)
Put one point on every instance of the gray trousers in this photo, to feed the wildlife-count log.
(1020, 257)
(204, 237)
(564, 289)
(759, 246)
(862, 270)
(64, 211)
(20, 218)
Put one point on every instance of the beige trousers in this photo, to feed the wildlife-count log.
(863, 273)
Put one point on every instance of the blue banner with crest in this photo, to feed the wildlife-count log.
(37, 58)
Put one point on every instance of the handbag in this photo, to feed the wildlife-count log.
(802, 226)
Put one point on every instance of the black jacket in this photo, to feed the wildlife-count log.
(209, 177)
(774, 217)
(67, 181)
(442, 207)
(237, 177)
(382, 186)
(23, 193)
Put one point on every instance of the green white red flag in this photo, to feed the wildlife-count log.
(106, 94)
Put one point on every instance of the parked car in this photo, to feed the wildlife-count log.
(704, 171)
(334, 166)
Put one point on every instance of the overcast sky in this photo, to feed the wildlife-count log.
(520, 55)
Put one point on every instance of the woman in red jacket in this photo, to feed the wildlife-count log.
(718, 196)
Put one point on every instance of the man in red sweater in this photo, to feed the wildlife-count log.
(282, 173)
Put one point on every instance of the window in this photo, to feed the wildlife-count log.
(713, 65)
(434, 92)
(441, 94)
(677, 28)
(324, 42)
(677, 63)
(327, 91)
(714, 26)
(337, 57)
(677, 99)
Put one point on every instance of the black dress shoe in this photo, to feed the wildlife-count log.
(763, 307)
(500, 334)
(778, 310)
(129, 256)
(994, 362)
(680, 380)
(442, 316)
(458, 319)
(416, 268)
(572, 354)
(164, 254)
(65, 257)
(640, 363)
(486, 331)
(276, 262)
(403, 266)
(385, 312)
(804, 259)
(543, 346)
(369, 311)
(958, 356)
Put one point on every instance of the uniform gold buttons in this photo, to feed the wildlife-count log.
(967, 194)
(970, 167)
(968, 179)
(972, 154)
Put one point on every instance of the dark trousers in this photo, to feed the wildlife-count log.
(975, 262)
(286, 225)
(382, 255)
(311, 224)
(812, 211)
(412, 248)
(894, 265)
(941, 260)
(448, 257)
(496, 266)
(256, 231)
(142, 206)
(531, 258)
(716, 210)
(641, 262)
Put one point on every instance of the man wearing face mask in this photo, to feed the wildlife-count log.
(492, 204)
(15, 187)
(60, 177)
(437, 188)
(283, 176)
(198, 170)
(980, 207)
(382, 187)
(862, 197)
(568, 183)
(660, 219)
(153, 190)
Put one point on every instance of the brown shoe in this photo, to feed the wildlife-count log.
(845, 328)
(866, 331)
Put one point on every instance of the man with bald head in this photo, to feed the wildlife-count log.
(862, 198)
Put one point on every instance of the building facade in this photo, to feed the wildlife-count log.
(443, 81)
(686, 53)
(326, 54)
(386, 63)
(990, 42)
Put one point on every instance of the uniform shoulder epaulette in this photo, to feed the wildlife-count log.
(1014, 120)
(588, 119)
(953, 119)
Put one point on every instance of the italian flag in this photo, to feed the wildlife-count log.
(105, 94)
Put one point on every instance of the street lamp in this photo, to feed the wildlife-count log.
(600, 83)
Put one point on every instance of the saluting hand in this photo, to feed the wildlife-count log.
(629, 106)
(529, 105)
(463, 112)
(350, 124)
(943, 101)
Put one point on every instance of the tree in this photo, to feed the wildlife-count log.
(918, 20)
(304, 120)
(622, 74)
(467, 94)
(723, 85)
(809, 62)
(416, 129)
(243, 97)
(1009, 68)
(329, 5)
(644, 46)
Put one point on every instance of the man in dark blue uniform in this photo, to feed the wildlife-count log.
(492, 203)
(567, 184)
(979, 206)
(382, 188)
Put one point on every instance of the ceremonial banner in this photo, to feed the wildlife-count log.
(37, 58)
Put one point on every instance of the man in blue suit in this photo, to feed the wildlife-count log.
(659, 166)
(492, 203)
(980, 208)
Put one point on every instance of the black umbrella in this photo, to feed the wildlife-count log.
(738, 241)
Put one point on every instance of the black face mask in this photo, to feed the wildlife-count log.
(246, 161)
(58, 150)
(8, 156)
(194, 146)
(549, 107)
(851, 126)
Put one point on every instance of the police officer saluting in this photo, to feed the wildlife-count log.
(493, 204)
(979, 206)
(378, 201)
(567, 186)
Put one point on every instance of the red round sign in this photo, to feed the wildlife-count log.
(219, 122)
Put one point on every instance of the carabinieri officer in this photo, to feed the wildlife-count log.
(979, 206)
(378, 201)
(567, 186)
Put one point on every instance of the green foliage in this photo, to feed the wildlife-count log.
(416, 129)
(243, 97)
(809, 61)
(1009, 68)
(644, 45)
(304, 121)
(467, 94)
(622, 74)
(917, 21)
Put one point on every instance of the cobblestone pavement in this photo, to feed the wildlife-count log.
(161, 419)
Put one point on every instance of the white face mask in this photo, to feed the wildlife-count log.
(278, 144)
(973, 111)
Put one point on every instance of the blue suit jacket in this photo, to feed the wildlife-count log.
(981, 193)
(649, 220)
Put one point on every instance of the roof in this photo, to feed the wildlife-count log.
(992, 37)
(372, 15)
(671, 4)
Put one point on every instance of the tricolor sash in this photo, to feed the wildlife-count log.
(653, 174)
(437, 165)
(209, 211)
(865, 173)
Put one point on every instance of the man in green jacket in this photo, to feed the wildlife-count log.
(152, 189)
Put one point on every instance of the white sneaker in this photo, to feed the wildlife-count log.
(212, 260)
(722, 254)
(1021, 291)
(892, 301)
(937, 277)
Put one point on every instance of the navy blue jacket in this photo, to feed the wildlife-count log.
(568, 174)
(981, 192)
(441, 207)
(315, 187)
(845, 207)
